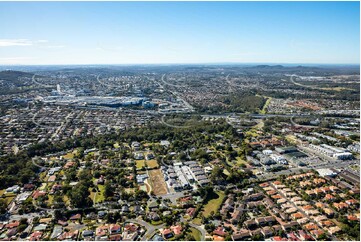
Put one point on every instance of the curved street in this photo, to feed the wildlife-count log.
(151, 229)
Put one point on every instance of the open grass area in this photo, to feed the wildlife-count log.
(43, 186)
(9, 199)
(264, 109)
(226, 172)
(100, 195)
(196, 234)
(128, 189)
(69, 155)
(143, 188)
(214, 201)
(252, 133)
(50, 200)
(241, 161)
(291, 139)
(197, 221)
(152, 164)
(139, 164)
(2, 192)
(155, 223)
(66, 200)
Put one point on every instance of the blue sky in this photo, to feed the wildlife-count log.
(179, 32)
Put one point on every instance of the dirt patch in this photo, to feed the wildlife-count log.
(157, 182)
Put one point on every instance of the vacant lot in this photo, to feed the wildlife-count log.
(213, 202)
(139, 164)
(152, 164)
(157, 182)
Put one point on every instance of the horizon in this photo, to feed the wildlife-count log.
(179, 33)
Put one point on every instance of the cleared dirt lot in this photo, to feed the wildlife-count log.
(157, 182)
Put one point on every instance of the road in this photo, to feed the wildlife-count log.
(301, 125)
(200, 229)
(175, 126)
(38, 124)
(150, 228)
(175, 93)
(40, 84)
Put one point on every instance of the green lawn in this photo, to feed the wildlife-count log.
(264, 109)
(9, 199)
(50, 200)
(196, 234)
(155, 223)
(139, 164)
(69, 155)
(214, 201)
(100, 196)
(240, 161)
(197, 221)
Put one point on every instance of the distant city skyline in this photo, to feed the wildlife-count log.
(54, 33)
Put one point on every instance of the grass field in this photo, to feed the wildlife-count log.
(157, 182)
(240, 161)
(214, 201)
(2, 192)
(264, 109)
(100, 196)
(9, 199)
(50, 200)
(291, 139)
(196, 234)
(43, 186)
(143, 188)
(197, 221)
(139, 164)
(97, 197)
(70, 155)
(152, 164)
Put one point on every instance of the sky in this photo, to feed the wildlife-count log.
(47, 33)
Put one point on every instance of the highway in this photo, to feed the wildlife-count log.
(40, 84)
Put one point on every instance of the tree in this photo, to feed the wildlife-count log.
(108, 191)
(79, 196)
(190, 237)
(216, 174)
(3, 206)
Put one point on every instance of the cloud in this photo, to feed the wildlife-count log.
(42, 43)
(15, 42)
(54, 46)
